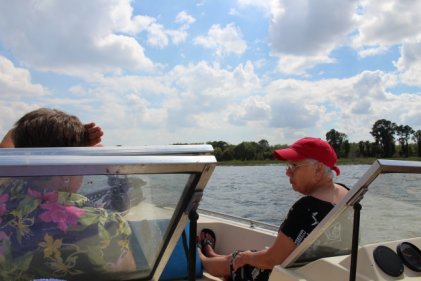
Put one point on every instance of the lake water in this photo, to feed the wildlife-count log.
(261, 193)
(390, 211)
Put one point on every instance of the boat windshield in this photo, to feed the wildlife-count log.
(391, 208)
(389, 194)
(96, 217)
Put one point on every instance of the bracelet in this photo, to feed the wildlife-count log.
(233, 256)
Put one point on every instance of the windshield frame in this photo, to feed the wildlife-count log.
(192, 160)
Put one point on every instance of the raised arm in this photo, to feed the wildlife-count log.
(7, 141)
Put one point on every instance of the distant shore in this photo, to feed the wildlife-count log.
(345, 161)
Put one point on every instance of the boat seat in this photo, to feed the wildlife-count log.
(177, 265)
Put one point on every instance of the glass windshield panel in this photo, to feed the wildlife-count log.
(102, 227)
(336, 240)
(391, 208)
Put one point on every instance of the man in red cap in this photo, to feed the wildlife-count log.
(313, 148)
(310, 162)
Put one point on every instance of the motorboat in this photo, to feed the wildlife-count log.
(372, 234)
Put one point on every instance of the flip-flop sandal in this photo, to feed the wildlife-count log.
(206, 232)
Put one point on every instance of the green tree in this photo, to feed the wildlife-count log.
(221, 144)
(245, 151)
(367, 149)
(263, 143)
(336, 140)
(361, 149)
(264, 150)
(417, 138)
(404, 134)
(217, 151)
(383, 132)
(346, 148)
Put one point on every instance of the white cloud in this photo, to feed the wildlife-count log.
(386, 23)
(157, 35)
(160, 37)
(349, 105)
(18, 94)
(204, 98)
(309, 28)
(202, 102)
(373, 84)
(251, 109)
(270, 7)
(184, 18)
(177, 36)
(306, 31)
(205, 91)
(233, 12)
(11, 112)
(368, 51)
(66, 36)
(300, 64)
(409, 64)
(194, 96)
(15, 82)
(225, 40)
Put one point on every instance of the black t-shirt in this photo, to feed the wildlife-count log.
(303, 217)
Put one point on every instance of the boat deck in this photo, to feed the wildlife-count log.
(338, 267)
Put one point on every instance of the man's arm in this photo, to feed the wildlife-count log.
(7, 141)
(95, 134)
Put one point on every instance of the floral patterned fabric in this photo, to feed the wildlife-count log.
(46, 233)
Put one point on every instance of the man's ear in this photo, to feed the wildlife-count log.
(320, 169)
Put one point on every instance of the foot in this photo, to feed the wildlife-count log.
(207, 241)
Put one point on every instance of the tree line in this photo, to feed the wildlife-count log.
(390, 140)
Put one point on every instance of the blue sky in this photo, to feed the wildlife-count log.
(162, 72)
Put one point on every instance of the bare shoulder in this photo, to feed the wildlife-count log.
(341, 192)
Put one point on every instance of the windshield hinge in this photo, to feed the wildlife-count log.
(194, 202)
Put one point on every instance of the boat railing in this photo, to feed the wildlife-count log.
(249, 222)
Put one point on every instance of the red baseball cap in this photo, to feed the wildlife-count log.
(313, 148)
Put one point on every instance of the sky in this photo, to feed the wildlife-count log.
(162, 72)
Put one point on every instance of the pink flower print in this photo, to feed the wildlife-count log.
(62, 215)
(3, 200)
(49, 196)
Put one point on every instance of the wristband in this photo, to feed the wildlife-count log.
(233, 256)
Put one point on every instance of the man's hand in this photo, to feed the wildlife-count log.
(94, 134)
